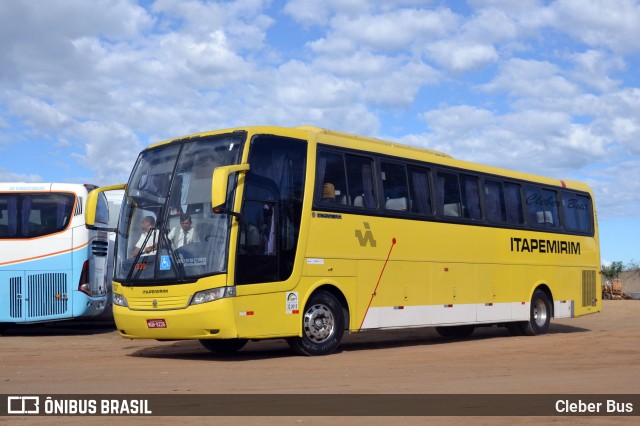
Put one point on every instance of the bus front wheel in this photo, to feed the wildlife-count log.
(322, 326)
(223, 346)
(540, 316)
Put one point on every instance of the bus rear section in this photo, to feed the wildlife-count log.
(51, 266)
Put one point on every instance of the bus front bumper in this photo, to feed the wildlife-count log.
(212, 320)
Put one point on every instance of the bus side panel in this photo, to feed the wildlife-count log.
(268, 315)
(393, 294)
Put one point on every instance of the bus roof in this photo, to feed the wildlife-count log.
(45, 187)
(348, 140)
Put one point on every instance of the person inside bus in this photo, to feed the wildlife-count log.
(328, 193)
(184, 234)
(146, 224)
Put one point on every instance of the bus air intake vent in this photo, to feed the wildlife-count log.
(15, 297)
(589, 295)
(100, 247)
(78, 210)
(48, 294)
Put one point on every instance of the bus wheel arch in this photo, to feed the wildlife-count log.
(323, 321)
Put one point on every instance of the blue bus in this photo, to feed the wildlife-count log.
(52, 267)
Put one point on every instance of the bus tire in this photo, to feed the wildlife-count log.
(457, 331)
(322, 326)
(223, 346)
(540, 316)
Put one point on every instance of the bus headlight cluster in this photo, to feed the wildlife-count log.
(212, 294)
(120, 300)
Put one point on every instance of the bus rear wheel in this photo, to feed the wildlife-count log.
(322, 326)
(540, 315)
(224, 346)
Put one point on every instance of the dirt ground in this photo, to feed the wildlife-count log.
(595, 354)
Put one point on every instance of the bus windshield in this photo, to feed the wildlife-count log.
(167, 232)
(34, 215)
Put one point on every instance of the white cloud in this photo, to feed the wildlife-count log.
(545, 87)
(531, 79)
(600, 23)
(9, 176)
(110, 149)
(593, 67)
(459, 55)
(617, 189)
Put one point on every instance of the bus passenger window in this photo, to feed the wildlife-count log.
(503, 203)
(420, 194)
(449, 195)
(331, 183)
(360, 181)
(470, 195)
(542, 206)
(494, 201)
(577, 212)
(394, 184)
(513, 203)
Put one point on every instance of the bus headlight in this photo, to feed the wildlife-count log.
(212, 294)
(120, 300)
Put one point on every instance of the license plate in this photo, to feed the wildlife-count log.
(156, 323)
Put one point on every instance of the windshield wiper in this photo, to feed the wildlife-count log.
(162, 244)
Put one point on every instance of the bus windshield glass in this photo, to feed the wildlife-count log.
(34, 215)
(167, 232)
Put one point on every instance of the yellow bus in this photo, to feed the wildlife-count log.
(305, 233)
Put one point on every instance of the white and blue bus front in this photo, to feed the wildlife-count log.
(51, 266)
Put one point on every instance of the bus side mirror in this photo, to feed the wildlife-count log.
(220, 183)
(92, 206)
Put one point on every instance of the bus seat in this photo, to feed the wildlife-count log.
(544, 217)
(342, 199)
(358, 201)
(253, 236)
(195, 209)
(396, 204)
(452, 209)
(204, 231)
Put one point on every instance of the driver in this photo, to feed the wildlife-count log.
(183, 235)
(146, 224)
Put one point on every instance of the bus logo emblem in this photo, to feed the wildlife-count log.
(367, 238)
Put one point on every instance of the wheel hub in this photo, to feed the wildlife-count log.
(319, 323)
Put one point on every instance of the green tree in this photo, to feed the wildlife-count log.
(613, 270)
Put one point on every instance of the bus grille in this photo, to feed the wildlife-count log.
(161, 303)
(15, 297)
(100, 247)
(48, 294)
(589, 297)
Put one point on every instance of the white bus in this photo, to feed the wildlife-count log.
(51, 266)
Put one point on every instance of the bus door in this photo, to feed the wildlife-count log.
(269, 227)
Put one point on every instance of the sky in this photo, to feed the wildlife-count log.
(546, 87)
